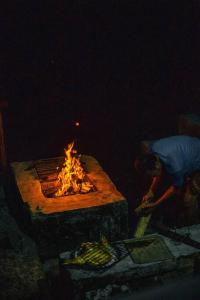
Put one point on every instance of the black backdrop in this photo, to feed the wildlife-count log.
(124, 69)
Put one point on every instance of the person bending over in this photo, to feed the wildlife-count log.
(178, 157)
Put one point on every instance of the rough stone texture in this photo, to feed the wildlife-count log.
(10, 234)
(19, 276)
(189, 124)
(20, 267)
(67, 221)
(129, 275)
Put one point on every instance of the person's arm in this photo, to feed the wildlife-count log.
(154, 184)
(168, 193)
(150, 194)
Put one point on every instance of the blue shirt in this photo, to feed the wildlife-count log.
(180, 155)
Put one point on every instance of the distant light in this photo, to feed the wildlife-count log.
(77, 124)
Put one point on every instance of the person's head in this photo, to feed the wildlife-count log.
(148, 164)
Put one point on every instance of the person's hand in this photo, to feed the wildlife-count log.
(148, 197)
(145, 208)
(148, 205)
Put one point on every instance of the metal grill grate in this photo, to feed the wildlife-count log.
(47, 171)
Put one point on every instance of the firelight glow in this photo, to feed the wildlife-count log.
(72, 178)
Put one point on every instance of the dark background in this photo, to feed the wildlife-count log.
(124, 69)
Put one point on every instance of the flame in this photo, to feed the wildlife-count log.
(72, 178)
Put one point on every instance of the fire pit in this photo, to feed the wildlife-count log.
(63, 221)
(63, 176)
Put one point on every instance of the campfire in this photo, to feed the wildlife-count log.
(63, 176)
(69, 199)
(72, 179)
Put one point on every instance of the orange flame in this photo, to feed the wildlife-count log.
(72, 178)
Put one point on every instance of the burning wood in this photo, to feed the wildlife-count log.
(72, 178)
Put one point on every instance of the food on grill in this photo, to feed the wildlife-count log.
(93, 254)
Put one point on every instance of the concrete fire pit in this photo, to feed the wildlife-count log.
(67, 221)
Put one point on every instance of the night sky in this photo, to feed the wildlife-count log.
(124, 69)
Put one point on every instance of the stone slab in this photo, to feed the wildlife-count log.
(128, 273)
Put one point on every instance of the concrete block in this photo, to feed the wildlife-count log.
(64, 222)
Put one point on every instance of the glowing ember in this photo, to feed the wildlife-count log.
(72, 178)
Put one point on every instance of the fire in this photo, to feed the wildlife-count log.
(72, 178)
